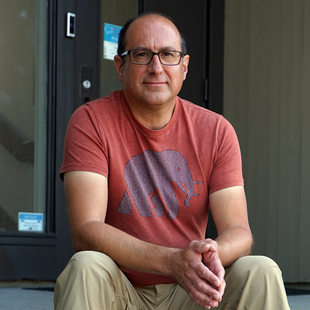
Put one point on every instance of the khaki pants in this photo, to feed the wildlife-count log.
(92, 281)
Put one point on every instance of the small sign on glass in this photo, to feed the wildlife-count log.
(29, 221)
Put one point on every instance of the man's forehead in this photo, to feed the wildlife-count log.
(154, 26)
(153, 18)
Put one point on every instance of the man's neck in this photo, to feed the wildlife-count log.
(152, 117)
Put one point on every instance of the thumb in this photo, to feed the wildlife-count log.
(201, 246)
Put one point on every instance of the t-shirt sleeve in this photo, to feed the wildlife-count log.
(84, 149)
(227, 167)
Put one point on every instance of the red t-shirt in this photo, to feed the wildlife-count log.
(158, 180)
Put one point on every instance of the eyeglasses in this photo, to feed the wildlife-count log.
(145, 56)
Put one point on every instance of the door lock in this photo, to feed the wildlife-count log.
(87, 91)
(86, 84)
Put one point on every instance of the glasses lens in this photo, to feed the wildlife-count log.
(144, 56)
(170, 57)
(140, 56)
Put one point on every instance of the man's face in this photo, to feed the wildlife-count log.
(153, 84)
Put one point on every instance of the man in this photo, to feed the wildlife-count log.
(141, 169)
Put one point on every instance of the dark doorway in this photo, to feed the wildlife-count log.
(202, 24)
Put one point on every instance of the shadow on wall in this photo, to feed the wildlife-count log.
(6, 222)
(8, 271)
(19, 146)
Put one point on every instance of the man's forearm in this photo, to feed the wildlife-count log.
(127, 251)
(233, 243)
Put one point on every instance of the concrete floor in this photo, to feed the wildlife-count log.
(300, 302)
(25, 299)
(40, 297)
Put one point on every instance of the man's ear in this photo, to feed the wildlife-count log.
(118, 62)
(185, 64)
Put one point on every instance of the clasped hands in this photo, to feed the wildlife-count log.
(199, 271)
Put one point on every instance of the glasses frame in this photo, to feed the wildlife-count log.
(128, 52)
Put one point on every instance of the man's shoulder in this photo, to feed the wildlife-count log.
(106, 102)
(101, 108)
(200, 112)
(203, 119)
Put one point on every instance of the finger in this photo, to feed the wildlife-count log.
(218, 270)
(207, 282)
(201, 246)
(221, 274)
(222, 290)
(201, 298)
(215, 265)
(206, 274)
(211, 241)
(204, 280)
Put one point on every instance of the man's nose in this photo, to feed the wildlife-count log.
(155, 66)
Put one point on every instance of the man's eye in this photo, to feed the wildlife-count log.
(140, 54)
(167, 54)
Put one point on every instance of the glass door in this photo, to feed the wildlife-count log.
(23, 102)
(41, 83)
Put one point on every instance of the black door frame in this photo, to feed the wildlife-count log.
(77, 60)
(215, 76)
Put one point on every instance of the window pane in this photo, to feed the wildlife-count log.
(23, 80)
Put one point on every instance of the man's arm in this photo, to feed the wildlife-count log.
(234, 239)
(229, 212)
(86, 195)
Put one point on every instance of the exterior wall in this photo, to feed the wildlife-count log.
(266, 97)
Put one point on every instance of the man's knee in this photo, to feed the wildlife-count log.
(89, 266)
(261, 264)
(92, 263)
(89, 259)
(256, 268)
(254, 282)
(90, 277)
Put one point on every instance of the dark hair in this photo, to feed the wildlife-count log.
(122, 34)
